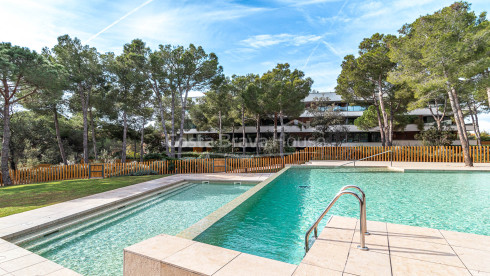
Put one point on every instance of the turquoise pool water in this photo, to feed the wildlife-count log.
(272, 223)
(95, 247)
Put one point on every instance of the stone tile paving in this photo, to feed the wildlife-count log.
(398, 250)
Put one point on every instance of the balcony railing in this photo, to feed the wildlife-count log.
(343, 108)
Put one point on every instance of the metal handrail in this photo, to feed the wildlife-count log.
(391, 158)
(362, 212)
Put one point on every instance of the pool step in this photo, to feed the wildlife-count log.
(93, 222)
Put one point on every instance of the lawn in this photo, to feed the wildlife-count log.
(21, 198)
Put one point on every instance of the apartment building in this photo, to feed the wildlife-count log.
(299, 132)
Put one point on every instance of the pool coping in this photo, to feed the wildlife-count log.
(405, 166)
(313, 166)
(397, 166)
(196, 229)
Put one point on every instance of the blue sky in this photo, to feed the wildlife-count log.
(247, 36)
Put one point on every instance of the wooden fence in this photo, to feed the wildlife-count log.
(250, 165)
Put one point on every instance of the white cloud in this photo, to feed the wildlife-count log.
(119, 20)
(260, 41)
(168, 23)
(310, 55)
(306, 2)
(333, 50)
(268, 64)
(336, 18)
(34, 24)
(108, 25)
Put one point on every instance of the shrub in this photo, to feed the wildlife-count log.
(171, 165)
(143, 172)
(221, 146)
(435, 137)
(271, 146)
(155, 156)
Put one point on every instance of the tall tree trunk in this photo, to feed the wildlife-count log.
(243, 132)
(58, 136)
(474, 120)
(488, 95)
(162, 120)
(438, 118)
(13, 165)
(85, 135)
(380, 122)
(92, 129)
(275, 127)
(6, 142)
(182, 119)
(220, 134)
(84, 101)
(460, 113)
(257, 138)
(172, 142)
(461, 129)
(390, 127)
(125, 132)
(232, 137)
(142, 139)
(281, 141)
(388, 141)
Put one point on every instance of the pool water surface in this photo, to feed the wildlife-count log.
(95, 247)
(272, 223)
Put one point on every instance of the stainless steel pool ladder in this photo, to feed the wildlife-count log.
(362, 216)
(391, 158)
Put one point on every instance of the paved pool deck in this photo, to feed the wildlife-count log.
(15, 260)
(394, 249)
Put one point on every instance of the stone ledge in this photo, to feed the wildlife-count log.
(15, 260)
(170, 255)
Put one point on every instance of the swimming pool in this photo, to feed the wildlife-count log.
(272, 223)
(95, 246)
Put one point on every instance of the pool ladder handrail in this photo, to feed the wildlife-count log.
(354, 161)
(362, 215)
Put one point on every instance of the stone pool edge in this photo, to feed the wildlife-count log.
(197, 228)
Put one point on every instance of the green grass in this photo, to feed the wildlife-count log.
(21, 198)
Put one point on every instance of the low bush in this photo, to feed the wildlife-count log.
(155, 156)
(143, 172)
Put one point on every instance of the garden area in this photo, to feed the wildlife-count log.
(21, 198)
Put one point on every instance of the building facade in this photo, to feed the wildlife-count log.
(300, 134)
